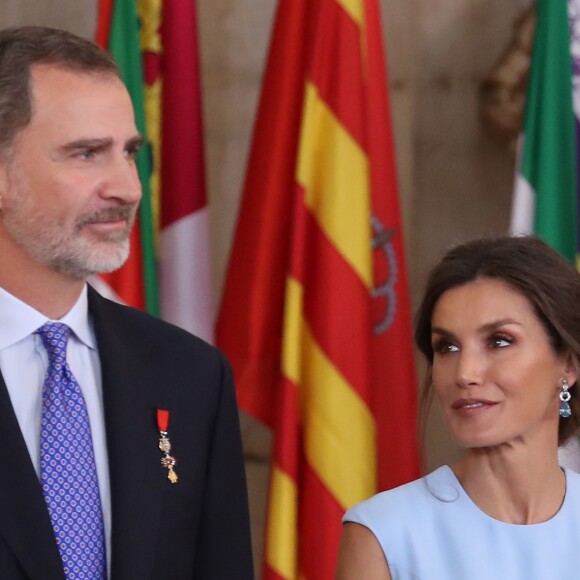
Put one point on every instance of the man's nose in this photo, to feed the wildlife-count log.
(122, 181)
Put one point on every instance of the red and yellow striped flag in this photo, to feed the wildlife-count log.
(168, 271)
(315, 315)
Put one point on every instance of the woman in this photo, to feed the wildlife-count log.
(500, 328)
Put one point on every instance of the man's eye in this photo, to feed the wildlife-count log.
(86, 154)
(132, 153)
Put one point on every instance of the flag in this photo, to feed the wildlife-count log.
(546, 191)
(168, 272)
(136, 282)
(315, 313)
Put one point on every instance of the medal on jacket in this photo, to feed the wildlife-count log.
(167, 460)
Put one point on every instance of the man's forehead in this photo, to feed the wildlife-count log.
(47, 73)
(69, 105)
(53, 86)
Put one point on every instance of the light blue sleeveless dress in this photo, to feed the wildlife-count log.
(431, 530)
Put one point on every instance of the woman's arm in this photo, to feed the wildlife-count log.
(360, 555)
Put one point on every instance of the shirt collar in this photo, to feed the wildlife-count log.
(20, 320)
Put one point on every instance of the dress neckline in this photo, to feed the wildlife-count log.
(445, 486)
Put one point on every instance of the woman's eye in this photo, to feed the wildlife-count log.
(444, 346)
(499, 341)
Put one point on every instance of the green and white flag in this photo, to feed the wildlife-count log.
(546, 191)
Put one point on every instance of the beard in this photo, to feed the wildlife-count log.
(71, 251)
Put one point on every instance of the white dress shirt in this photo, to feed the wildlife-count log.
(24, 362)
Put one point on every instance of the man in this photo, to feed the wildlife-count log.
(121, 448)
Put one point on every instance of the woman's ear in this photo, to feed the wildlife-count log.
(3, 181)
(572, 370)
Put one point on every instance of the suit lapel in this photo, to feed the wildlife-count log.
(24, 520)
(136, 477)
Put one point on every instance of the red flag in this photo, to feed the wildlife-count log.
(315, 315)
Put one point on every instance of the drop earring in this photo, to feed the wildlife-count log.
(565, 396)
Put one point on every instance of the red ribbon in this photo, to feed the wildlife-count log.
(163, 420)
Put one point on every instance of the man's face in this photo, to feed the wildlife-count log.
(70, 188)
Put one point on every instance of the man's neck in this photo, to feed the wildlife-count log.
(47, 291)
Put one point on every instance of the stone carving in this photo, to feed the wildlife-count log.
(503, 92)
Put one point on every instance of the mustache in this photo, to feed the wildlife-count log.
(122, 212)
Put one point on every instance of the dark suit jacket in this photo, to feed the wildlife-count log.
(197, 528)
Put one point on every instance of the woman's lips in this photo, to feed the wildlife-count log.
(470, 406)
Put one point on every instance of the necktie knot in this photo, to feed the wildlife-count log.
(55, 337)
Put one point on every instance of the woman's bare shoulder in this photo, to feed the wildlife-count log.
(360, 555)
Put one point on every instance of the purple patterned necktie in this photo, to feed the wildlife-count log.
(67, 464)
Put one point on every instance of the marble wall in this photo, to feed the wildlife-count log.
(455, 182)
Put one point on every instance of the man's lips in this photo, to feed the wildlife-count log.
(108, 225)
(110, 218)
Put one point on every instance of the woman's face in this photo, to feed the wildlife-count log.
(495, 373)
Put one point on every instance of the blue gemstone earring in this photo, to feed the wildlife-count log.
(565, 396)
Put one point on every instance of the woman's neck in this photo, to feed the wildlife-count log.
(513, 484)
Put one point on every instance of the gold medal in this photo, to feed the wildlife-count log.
(167, 461)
